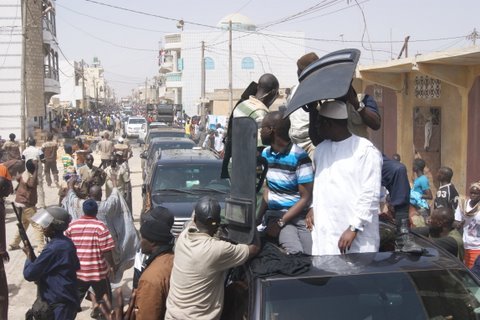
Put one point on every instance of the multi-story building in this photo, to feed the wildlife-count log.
(254, 53)
(97, 90)
(38, 57)
(73, 86)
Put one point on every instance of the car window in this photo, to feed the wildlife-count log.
(158, 134)
(170, 145)
(136, 121)
(190, 177)
(436, 294)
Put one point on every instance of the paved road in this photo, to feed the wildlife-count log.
(21, 293)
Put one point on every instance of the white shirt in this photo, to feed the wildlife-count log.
(346, 192)
(471, 228)
(32, 152)
(218, 144)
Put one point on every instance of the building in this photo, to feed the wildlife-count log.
(97, 90)
(40, 64)
(254, 53)
(431, 106)
(73, 86)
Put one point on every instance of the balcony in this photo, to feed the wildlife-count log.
(174, 80)
(51, 81)
(48, 33)
(173, 41)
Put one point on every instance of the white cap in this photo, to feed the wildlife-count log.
(334, 109)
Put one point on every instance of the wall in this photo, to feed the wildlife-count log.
(473, 145)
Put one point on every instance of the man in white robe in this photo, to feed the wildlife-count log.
(346, 190)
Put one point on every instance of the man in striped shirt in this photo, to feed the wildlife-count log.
(289, 184)
(94, 245)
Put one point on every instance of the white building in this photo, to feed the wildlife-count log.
(72, 95)
(254, 53)
(41, 64)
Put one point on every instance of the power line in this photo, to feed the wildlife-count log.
(111, 22)
(107, 41)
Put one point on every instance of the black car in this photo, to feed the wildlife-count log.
(160, 132)
(391, 284)
(156, 145)
(179, 178)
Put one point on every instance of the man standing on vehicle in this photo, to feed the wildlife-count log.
(348, 172)
(200, 265)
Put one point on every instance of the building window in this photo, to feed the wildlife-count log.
(209, 63)
(247, 63)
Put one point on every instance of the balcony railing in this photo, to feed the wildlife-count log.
(174, 76)
(51, 73)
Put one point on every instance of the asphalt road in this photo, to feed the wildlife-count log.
(22, 293)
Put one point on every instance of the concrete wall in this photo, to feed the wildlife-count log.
(473, 136)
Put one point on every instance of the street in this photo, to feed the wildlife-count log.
(22, 293)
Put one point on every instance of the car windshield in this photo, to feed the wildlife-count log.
(160, 134)
(433, 294)
(194, 177)
(171, 145)
(136, 121)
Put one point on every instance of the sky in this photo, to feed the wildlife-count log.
(127, 43)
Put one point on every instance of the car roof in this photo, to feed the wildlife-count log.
(433, 258)
(163, 129)
(174, 156)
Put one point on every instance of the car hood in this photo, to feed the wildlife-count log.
(181, 205)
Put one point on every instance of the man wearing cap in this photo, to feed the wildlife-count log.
(55, 268)
(157, 242)
(5, 190)
(346, 192)
(123, 149)
(200, 265)
(94, 245)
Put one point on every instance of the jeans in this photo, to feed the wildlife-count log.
(295, 237)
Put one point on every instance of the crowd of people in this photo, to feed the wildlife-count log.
(325, 187)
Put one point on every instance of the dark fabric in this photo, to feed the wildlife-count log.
(65, 311)
(476, 267)
(157, 231)
(448, 243)
(447, 197)
(395, 180)
(56, 271)
(3, 292)
(90, 207)
(157, 252)
(100, 288)
(271, 260)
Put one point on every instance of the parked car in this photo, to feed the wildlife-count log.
(157, 145)
(145, 137)
(383, 285)
(179, 179)
(134, 126)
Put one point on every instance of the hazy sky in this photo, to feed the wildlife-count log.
(82, 34)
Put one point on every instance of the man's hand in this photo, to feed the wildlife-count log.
(352, 97)
(345, 241)
(27, 251)
(4, 256)
(309, 220)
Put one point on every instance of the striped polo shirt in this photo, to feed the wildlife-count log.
(285, 172)
(92, 239)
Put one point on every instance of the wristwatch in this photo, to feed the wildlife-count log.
(353, 229)
(281, 223)
(361, 106)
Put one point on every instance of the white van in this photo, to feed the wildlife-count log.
(134, 126)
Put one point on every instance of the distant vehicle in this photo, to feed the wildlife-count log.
(166, 113)
(133, 126)
(154, 125)
(179, 178)
(145, 137)
(156, 145)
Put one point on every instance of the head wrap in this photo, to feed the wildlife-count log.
(90, 207)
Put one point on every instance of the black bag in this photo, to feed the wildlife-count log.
(40, 310)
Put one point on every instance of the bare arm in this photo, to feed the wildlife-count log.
(305, 199)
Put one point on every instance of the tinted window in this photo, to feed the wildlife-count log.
(190, 177)
(159, 134)
(171, 145)
(437, 294)
(136, 121)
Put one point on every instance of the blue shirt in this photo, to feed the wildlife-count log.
(55, 270)
(285, 172)
(395, 179)
(421, 184)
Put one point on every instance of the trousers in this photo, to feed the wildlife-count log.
(295, 237)
(27, 214)
(51, 166)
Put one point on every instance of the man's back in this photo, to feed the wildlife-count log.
(49, 149)
(106, 148)
(198, 275)
(92, 239)
(13, 150)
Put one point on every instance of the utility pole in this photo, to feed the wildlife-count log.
(404, 48)
(146, 81)
(83, 86)
(474, 36)
(230, 85)
(23, 75)
(202, 84)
